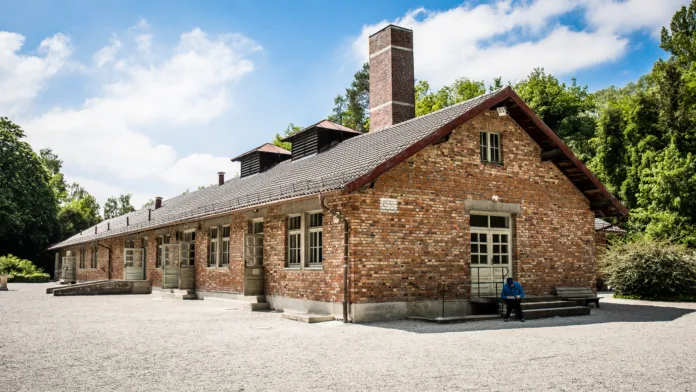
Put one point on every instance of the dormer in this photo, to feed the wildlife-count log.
(318, 137)
(261, 159)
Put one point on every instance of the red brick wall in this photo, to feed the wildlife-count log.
(224, 279)
(318, 285)
(406, 255)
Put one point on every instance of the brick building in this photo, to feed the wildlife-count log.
(376, 225)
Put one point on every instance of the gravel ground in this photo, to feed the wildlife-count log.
(142, 343)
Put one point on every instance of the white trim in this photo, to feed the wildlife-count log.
(377, 53)
(392, 103)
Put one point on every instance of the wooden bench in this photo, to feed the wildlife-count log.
(583, 295)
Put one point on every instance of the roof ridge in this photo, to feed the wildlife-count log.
(450, 107)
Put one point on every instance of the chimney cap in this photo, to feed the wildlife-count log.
(390, 26)
(221, 173)
(158, 197)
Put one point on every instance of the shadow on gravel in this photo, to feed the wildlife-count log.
(608, 313)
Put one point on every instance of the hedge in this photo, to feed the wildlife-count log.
(651, 270)
(33, 278)
(24, 271)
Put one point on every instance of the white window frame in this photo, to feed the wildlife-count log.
(82, 258)
(490, 231)
(297, 251)
(224, 247)
(94, 260)
(185, 257)
(486, 146)
(213, 242)
(305, 234)
(320, 248)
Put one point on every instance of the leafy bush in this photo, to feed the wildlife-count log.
(22, 270)
(652, 270)
(33, 278)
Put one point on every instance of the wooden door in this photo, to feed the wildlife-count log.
(134, 264)
(170, 257)
(253, 264)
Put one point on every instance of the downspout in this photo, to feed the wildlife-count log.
(346, 260)
(108, 268)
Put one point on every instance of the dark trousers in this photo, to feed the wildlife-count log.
(514, 304)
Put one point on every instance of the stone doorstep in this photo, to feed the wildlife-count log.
(557, 312)
(51, 289)
(456, 319)
(547, 305)
(307, 317)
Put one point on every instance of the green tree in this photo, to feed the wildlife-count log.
(352, 108)
(566, 109)
(462, 89)
(290, 130)
(28, 204)
(79, 212)
(53, 165)
(117, 206)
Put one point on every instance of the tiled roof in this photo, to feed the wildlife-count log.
(326, 124)
(602, 225)
(268, 147)
(330, 170)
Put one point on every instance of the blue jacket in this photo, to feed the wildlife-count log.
(513, 291)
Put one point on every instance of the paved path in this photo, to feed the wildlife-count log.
(140, 343)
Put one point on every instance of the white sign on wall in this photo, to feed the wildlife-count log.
(388, 205)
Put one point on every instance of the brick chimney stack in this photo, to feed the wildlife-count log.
(392, 93)
(221, 178)
(158, 202)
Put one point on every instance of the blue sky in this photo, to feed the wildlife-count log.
(151, 98)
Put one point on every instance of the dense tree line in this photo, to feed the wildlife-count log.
(37, 206)
(640, 139)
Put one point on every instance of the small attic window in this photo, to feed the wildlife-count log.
(317, 138)
(261, 159)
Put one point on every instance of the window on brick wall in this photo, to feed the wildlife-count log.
(95, 256)
(82, 257)
(219, 246)
(490, 147)
(316, 240)
(305, 240)
(158, 258)
(225, 247)
(294, 241)
(143, 244)
(188, 248)
(214, 246)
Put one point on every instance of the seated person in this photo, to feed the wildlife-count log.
(512, 294)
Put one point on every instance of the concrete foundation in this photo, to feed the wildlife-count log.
(112, 287)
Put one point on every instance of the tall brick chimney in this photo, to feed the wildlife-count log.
(392, 94)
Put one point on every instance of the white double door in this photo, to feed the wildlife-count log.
(490, 260)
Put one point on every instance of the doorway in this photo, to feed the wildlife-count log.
(253, 259)
(490, 260)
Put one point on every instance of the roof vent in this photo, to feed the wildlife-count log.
(318, 137)
(261, 159)
(502, 111)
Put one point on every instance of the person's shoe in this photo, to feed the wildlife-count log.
(505, 319)
(522, 320)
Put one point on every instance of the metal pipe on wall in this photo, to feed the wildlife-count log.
(346, 260)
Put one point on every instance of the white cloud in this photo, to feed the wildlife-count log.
(509, 39)
(188, 170)
(109, 134)
(108, 53)
(144, 43)
(630, 15)
(23, 76)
